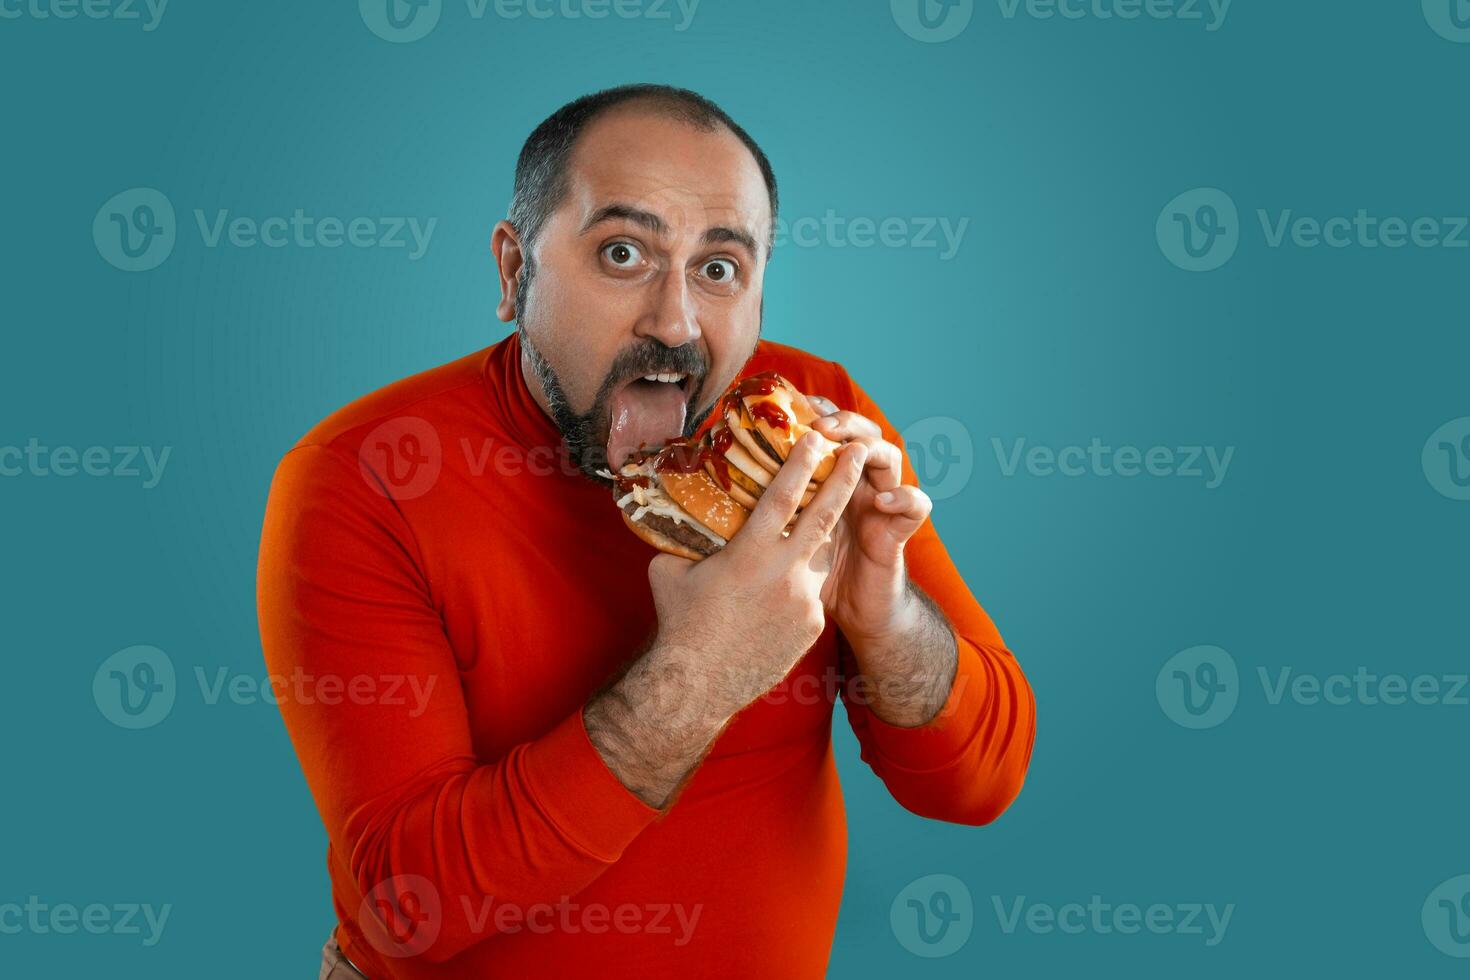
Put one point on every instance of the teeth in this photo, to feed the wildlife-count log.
(667, 377)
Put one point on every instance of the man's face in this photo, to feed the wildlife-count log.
(653, 262)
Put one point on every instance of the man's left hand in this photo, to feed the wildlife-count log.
(867, 592)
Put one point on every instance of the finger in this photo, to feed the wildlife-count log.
(907, 502)
(885, 463)
(777, 505)
(847, 425)
(820, 516)
(824, 406)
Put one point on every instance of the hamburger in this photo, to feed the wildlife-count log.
(690, 496)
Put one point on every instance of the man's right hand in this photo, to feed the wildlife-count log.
(730, 628)
(744, 616)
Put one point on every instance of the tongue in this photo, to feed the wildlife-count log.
(643, 412)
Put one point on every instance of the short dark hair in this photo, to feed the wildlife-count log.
(541, 170)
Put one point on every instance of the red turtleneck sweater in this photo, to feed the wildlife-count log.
(440, 593)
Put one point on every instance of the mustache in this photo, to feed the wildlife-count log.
(655, 358)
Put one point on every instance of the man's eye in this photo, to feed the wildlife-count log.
(720, 270)
(624, 255)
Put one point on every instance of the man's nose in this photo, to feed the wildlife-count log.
(670, 317)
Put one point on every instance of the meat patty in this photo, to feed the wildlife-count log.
(760, 440)
(682, 533)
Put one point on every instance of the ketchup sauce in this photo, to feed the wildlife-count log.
(690, 454)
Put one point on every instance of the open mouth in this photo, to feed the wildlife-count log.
(647, 411)
(684, 382)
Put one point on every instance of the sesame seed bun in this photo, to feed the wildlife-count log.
(703, 499)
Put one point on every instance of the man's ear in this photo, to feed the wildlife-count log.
(506, 245)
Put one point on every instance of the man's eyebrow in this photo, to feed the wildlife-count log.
(720, 233)
(655, 224)
(624, 212)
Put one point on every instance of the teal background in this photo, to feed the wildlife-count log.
(1325, 548)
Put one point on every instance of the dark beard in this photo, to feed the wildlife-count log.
(581, 431)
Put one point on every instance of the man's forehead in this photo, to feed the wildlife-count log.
(691, 178)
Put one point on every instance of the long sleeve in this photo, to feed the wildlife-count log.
(342, 596)
(967, 764)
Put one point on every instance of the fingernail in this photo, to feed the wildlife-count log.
(825, 422)
(887, 497)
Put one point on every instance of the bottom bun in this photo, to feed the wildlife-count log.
(660, 540)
